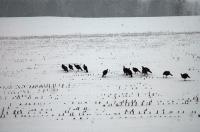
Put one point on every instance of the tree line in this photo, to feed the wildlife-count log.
(99, 8)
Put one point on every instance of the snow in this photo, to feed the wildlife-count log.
(42, 26)
(37, 95)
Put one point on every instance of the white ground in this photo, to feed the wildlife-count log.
(36, 95)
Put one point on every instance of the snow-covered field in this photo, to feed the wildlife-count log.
(45, 26)
(37, 95)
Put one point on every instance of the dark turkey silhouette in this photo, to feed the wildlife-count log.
(145, 70)
(64, 68)
(85, 68)
(129, 72)
(135, 70)
(185, 76)
(71, 67)
(78, 67)
(167, 73)
(105, 72)
(125, 70)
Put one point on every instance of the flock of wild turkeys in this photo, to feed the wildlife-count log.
(127, 71)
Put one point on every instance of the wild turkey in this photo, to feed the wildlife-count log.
(167, 73)
(78, 67)
(64, 68)
(71, 67)
(85, 68)
(185, 76)
(135, 70)
(126, 70)
(105, 72)
(129, 72)
(145, 70)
